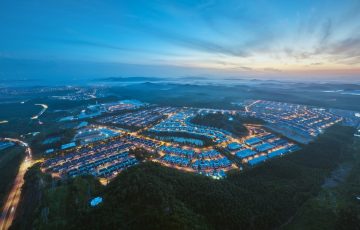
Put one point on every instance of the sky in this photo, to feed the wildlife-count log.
(172, 38)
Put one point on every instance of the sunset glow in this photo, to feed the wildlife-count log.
(176, 38)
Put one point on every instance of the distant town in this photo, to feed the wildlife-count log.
(102, 148)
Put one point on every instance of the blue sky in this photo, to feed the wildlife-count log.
(180, 38)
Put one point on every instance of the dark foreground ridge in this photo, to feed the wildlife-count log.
(149, 196)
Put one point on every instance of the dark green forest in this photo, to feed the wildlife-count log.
(231, 123)
(10, 160)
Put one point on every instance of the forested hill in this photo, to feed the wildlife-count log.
(150, 196)
(232, 123)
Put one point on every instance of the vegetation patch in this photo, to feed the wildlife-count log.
(10, 160)
(231, 123)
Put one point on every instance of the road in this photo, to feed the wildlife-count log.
(9, 208)
(41, 112)
(247, 108)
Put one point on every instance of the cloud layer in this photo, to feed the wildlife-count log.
(230, 37)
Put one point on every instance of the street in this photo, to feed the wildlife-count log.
(9, 208)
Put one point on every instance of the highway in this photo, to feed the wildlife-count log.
(41, 112)
(12, 201)
(247, 108)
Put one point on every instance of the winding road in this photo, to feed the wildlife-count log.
(44, 108)
(9, 208)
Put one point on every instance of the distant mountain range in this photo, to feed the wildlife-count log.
(131, 79)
